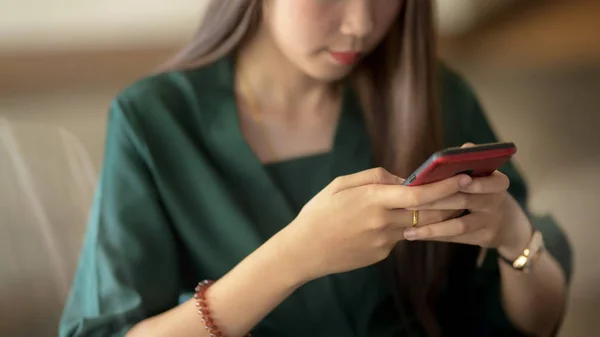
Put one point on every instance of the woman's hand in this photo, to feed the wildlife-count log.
(495, 219)
(357, 220)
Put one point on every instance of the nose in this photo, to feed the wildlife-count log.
(358, 18)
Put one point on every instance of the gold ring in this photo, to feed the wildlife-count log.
(415, 218)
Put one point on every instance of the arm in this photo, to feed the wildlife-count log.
(127, 282)
(534, 302)
(238, 301)
(128, 249)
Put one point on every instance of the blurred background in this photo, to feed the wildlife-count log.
(535, 65)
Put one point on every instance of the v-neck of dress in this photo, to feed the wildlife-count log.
(245, 164)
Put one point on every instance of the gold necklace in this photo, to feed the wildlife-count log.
(256, 116)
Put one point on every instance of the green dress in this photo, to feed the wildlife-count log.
(182, 198)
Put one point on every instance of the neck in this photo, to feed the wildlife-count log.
(274, 80)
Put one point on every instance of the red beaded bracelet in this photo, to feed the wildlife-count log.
(204, 312)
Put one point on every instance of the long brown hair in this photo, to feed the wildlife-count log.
(398, 91)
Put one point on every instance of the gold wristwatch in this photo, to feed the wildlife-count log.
(534, 248)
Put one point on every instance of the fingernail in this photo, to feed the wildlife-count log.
(410, 234)
(465, 181)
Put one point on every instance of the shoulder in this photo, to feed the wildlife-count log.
(172, 100)
(175, 90)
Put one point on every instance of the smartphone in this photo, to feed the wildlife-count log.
(477, 161)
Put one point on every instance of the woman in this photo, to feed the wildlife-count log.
(250, 160)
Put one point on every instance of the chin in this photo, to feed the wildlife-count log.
(329, 73)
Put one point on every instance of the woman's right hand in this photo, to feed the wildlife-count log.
(357, 219)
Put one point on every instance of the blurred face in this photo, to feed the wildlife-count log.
(327, 38)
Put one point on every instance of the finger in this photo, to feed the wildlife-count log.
(467, 145)
(481, 237)
(396, 196)
(461, 201)
(401, 218)
(454, 227)
(495, 183)
(367, 177)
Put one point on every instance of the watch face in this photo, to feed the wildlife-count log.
(520, 262)
(536, 245)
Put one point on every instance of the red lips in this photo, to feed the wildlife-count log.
(346, 58)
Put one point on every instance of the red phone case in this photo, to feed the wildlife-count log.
(478, 161)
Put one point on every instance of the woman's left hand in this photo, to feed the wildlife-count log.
(495, 219)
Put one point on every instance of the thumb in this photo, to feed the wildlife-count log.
(467, 145)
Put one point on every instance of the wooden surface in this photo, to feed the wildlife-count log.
(535, 34)
(43, 72)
